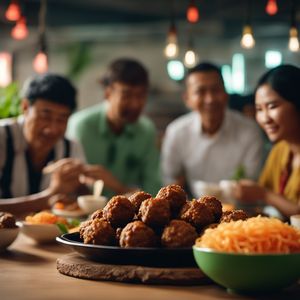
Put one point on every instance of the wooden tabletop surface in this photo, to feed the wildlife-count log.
(28, 271)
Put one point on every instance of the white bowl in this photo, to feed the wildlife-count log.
(7, 236)
(295, 221)
(90, 203)
(202, 188)
(41, 233)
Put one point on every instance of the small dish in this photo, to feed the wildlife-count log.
(77, 213)
(41, 233)
(90, 203)
(249, 273)
(7, 237)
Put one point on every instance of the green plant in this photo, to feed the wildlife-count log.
(10, 101)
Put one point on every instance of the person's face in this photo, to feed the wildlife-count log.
(205, 93)
(126, 101)
(45, 123)
(277, 117)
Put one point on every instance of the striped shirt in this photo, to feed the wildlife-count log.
(19, 183)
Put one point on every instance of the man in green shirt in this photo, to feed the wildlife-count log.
(118, 141)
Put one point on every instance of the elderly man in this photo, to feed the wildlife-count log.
(211, 142)
(116, 138)
(35, 139)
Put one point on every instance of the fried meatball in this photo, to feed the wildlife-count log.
(214, 205)
(137, 198)
(7, 220)
(197, 214)
(155, 212)
(175, 195)
(137, 234)
(98, 232)
(178, 234)
(118, 211)
(233, 215)
(98, 214)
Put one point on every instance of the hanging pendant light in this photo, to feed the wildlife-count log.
(20, 30)
(13, 12)
(171, 49)
(40, 62)
(271, 7)
(192, 13)
(293, 39)
(247, 40)
(190, 56)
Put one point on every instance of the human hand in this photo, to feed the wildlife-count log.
(65, 176)
(92, 173)
(248, 191)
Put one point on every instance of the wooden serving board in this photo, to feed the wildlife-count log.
(76, 266)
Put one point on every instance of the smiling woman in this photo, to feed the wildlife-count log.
(277, 101)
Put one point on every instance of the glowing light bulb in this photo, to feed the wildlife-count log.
(271, 7)
(247, 40)
(190, 58)
(192, 13)
(171, 50)
(40, 63)
(294, 41)
(13, 12)
(20, 31)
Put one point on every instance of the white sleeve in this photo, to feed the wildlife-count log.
(170, 157)
(77, 151)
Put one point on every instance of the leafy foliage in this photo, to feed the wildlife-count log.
(10, 101)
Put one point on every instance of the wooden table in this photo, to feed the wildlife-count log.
(28, 271)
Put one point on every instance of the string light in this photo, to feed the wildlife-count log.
(192, 13)
(20, 30)
(13, 12)
(271, 7)
(40, 62)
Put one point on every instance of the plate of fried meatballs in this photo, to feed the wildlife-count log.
(147, 230)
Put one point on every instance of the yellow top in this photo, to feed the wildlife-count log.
(274, 166)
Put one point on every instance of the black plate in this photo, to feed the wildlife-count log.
(154, 257)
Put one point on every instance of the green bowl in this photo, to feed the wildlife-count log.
(249, 273)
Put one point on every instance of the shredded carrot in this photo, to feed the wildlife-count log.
(45, 217)
(254, 235)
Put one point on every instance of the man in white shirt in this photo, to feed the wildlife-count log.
(211, 142)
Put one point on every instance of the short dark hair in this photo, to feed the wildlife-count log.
(51, 87)
(285, 81)
(126, 70)
(206, 67)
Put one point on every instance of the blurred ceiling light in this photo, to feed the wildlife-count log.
(175, 70)
(40, 62)
(5, 69)
(190, 56)
(271, 7)
(20, 30)
(192, 13)
(13, 12)
(273, 58)
(294, 41)
(247, 40)
(171, 49)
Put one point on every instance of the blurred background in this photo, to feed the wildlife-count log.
(78, 38)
